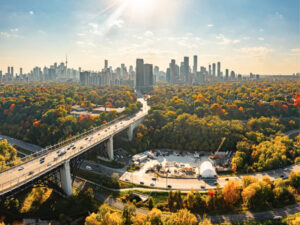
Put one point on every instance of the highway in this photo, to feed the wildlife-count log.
(27, 171)
(21, 144)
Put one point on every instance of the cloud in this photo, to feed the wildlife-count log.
(5, 34)
(14, 30)
(258, 51)
(117, 23)
(210, 25)
(226, 41)
(31, 13)
(11, 33)
(148, 33)
(295, 51)
(279, 15)
(261, 39)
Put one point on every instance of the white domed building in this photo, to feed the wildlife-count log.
(207, 170)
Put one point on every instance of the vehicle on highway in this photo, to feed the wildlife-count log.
(21, 168)
(61, 153)
(126, 180)
(227, 179)
(86, 138)
(55, 158)
(142, 183)
(202, 187)
(42, 160)
(282, 176)
(30, 173)
(68, 148)
(277, 217)
(152, 184)
(88, 168)
(73, 147)
(169, 186)
(216, 183)
(49, 164)
(154, 178)
(81, 147)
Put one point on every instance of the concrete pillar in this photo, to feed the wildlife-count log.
(110, 148)
(66, 180)
(130, 132)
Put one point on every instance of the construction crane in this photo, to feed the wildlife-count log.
(221, 144)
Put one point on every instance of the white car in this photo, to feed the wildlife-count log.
(88, 168)
(21, 168)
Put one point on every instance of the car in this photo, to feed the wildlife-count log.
(73, 147)
(98, 133)
(55, 158)
(126, 180)
(169, 186)
(21, 168)
(227, 179)
(68, 148)
(152, 184)
(86, 138)
(58, 152)
(277, 217)
(154, 178)
(142, 183)
(88, 168)
(286, 169)
(105, 130)
(216, 183)
(42, 159)
(49, 164)
(81, 147)
(202, 187)
(30, 173)
(62, 152)
(282, 176)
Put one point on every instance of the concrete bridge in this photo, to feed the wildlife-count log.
(58, 157)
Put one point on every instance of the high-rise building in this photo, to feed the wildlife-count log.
(186, 69)
(173, 71)
(8, 70)
(148, 77)
(213, 69)
(12, 71)
(227, 74)
(209, 70)
(139, 74)
(219, 69)
(21, 71)
(232, 75)
(105, 64)
(195, 64)
(168, 79)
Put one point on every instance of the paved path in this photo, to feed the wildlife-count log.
(21, 144)
(291, 132)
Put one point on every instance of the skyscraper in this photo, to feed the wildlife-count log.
(21, 71)
(227, 74)
(148, 77)
(8, 70)
(219, 69)
(195, 64)
(186, 69)
(12, 71)
(209, 70)
(172, 71)
(139, 74)
(213, 69)
(105, 64)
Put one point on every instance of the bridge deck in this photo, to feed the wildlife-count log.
(14, 177)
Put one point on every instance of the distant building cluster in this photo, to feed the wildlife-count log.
(108, 76)
(56, 72)
(184, 74)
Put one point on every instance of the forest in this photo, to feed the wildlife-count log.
(253, 117)
(40, 114)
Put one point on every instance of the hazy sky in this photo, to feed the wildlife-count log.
(259, 36)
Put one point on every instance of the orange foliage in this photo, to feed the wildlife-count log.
(12, 106)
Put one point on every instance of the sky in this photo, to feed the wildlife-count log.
(258, 36)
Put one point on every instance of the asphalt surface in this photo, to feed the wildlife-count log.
(21, 144)
(16, 176)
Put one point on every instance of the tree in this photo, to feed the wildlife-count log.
(232, 192)
(154, 217)
(150, 203)
(183, 216)
(112, 219)
(128, 214)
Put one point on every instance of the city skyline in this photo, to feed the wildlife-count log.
(260, 37)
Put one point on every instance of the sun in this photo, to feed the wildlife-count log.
(141, 5)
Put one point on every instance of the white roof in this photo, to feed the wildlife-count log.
(207, 169)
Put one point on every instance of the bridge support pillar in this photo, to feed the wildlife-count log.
(66, 180)
(110, 148)
(130, 132)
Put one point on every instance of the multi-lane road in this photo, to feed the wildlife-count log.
(27, 171)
